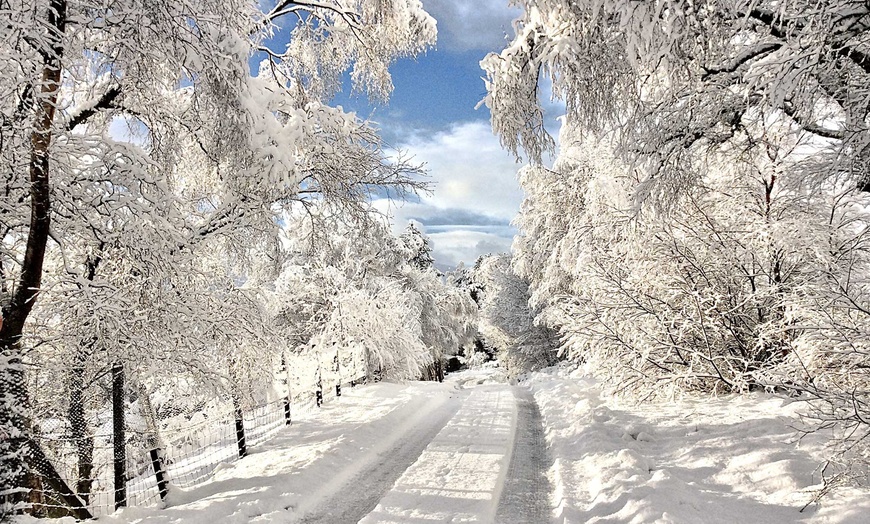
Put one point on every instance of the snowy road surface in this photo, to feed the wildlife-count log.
(473, 450)
(361, 493)
(458, 477)
(526, 493)
(404, 453)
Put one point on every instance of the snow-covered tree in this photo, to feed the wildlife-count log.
(714, 154)
(361, 290)
(447, 317)
(507, 322)
(418, 247)
(679, 77)
(213, 151)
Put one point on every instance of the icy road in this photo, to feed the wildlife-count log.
(404, 453)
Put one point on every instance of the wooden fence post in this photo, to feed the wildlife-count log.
(336, 368)
(159, 473)
(318, 393)
(286, 380)
(240, 427)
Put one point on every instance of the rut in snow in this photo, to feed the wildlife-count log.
(360, 495)
(525, 497)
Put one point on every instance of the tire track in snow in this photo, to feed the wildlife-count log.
(459, 476)
(525, 496)
(361, 494)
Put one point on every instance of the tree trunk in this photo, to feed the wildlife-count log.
(15, 429)
(79, 428)
(15, 400)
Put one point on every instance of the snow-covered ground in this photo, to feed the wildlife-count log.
(428, 452)
(726, 460)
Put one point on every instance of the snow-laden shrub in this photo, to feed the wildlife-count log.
(384, 321)
(367, 290)
(703, 296)
(745, 281)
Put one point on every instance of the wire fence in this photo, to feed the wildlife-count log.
(184, 452)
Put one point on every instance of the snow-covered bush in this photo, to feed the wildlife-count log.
(367, 290)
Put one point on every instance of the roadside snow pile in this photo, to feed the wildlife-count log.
(720, 460)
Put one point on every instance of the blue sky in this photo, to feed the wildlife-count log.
(432, 115)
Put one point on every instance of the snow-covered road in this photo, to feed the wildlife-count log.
(459, 476)
(475, 450)
(526, 496)
(404, 453)
(368, 481)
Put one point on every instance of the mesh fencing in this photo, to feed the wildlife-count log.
(186, 449)
(91, 481)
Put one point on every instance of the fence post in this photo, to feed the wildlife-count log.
(159, 472)
(240, 427)
(286, 370)
(235, 394)
(318, 393)
(152, 442)
(119, 438)
(336, 367)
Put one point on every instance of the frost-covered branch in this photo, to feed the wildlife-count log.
(82, 114)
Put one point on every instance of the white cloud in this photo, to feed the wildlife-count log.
(450, 244)
(451, 247)
(469, 170)
(475, 193)
(464, 25)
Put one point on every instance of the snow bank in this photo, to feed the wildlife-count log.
(721, 460)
